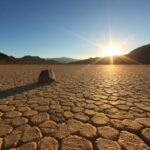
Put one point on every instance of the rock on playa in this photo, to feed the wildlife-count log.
(46, 77)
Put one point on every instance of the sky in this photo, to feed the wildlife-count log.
(72, 28)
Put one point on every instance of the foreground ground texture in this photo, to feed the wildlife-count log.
(89, 107)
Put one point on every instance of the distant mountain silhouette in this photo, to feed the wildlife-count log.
(108, 60)
(140, 55)
(5, 59)
(35, 59)
(31, 58)
(64, 59)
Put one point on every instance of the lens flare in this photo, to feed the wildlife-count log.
(111, 50)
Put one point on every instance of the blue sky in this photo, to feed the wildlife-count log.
(72, 28)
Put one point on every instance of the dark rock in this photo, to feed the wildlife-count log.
(46, 77)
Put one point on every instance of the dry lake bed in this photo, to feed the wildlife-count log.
(90, 107)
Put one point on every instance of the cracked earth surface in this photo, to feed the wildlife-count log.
(89, 107)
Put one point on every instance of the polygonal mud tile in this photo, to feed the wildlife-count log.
(48, 143)
(76, 142)
(131, 141)
(105, 144)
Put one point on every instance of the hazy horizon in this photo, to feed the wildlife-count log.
(76, 29)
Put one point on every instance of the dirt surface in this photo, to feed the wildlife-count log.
(89, 107)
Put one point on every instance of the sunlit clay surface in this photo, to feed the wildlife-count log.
(111, 50)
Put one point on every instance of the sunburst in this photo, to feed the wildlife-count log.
(111, 50)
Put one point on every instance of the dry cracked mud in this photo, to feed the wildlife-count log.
(101, 107)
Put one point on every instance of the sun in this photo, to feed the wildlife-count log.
(111, 50)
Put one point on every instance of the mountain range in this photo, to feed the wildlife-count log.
(64, 59)
(35, 59)
(29, 58)
(139, 55)
(5, 59)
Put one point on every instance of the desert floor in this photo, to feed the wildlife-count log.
(89, 107)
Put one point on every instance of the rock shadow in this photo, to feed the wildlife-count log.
(18, 90)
